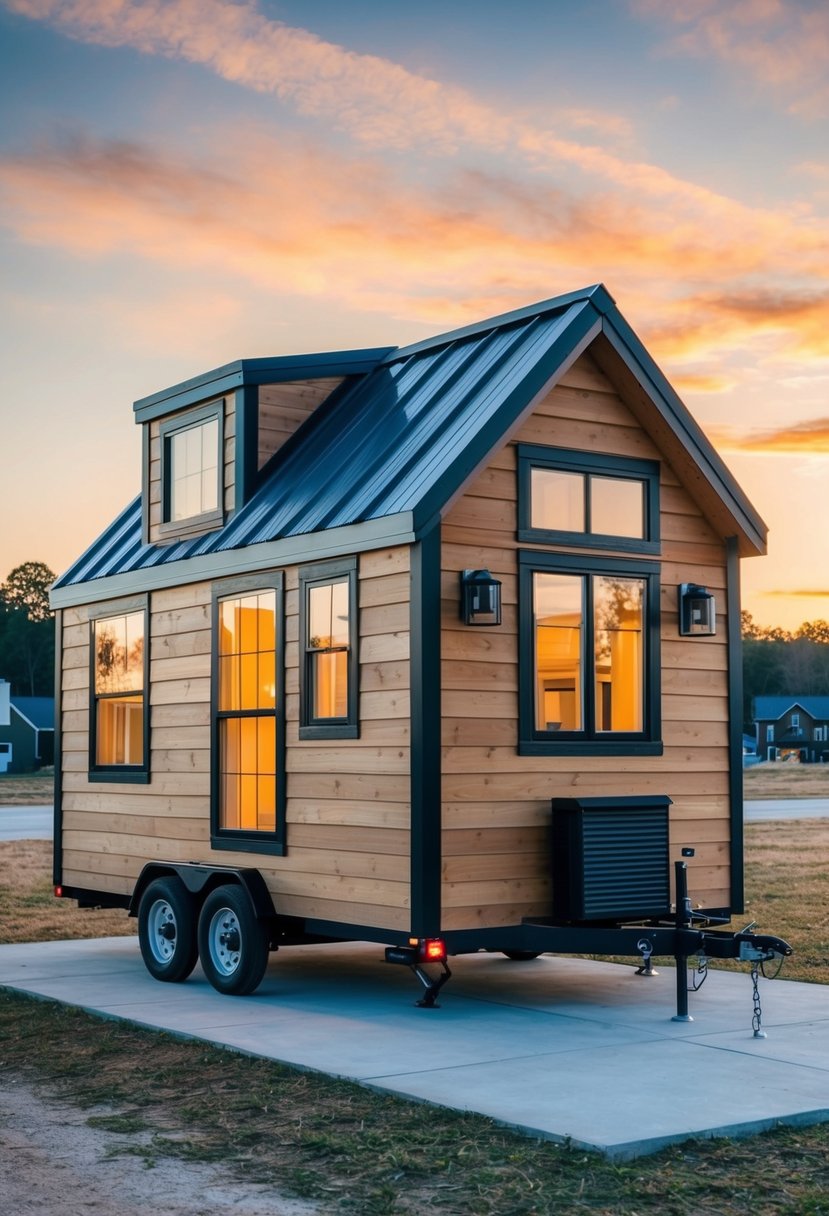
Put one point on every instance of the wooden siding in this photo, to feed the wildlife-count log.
(154, 487)
(496, 804)
(284, 407)
(348, 800)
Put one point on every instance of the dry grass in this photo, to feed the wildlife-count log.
(27, 789)
(786, 781)
(29, 911)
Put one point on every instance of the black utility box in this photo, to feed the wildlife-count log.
(610, 858)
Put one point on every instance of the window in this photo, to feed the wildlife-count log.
(192, 474)
(769, 733)
(577, 498)
(328, 672)
(119, 742)
(589, 647)
(795, 720)
(248, 720)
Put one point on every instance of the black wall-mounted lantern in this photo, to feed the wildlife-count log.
(697, 611)
(480, 598)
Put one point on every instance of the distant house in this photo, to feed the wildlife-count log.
(27, 734)
(792, 728)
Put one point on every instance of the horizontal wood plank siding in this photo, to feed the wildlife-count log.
(496, 804)
(348, 800)
(284, 407)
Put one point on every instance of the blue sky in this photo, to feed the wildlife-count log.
(186, 182)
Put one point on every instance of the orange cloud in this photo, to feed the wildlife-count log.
(381, 104)
(780, 44)
(801, 438)
(798, 321)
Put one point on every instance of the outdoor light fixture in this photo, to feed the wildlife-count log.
(480, 598)
(697, 611)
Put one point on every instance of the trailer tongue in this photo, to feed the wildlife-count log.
(688, 935)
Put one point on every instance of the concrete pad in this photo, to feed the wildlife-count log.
(564, 1048)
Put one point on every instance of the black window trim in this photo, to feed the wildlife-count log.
(335, 570)
(170, 528)
(532, 456)
(122, 774)
(247, 840)
(533, 742)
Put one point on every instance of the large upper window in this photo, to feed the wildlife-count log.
(328, 676)
(589, 654)
(248, 724)
(119, 746)
(191, 451)
(578, 498)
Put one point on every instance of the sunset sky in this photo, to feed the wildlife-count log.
(188, 182)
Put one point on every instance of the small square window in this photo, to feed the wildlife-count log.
(192, 470)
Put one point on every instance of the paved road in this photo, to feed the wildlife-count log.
(25, 823)
(787, 808)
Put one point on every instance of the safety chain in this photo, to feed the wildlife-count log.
(757, 1019)
(700, 975)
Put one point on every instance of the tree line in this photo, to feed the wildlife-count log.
(27, 631)
(776, 662)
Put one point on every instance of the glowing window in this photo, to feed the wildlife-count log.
(246, 712)
(589, 639)
(118, 735)
(328, 679)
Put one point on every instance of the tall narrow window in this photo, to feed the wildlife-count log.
(589, 663)
(118, 736)
(328, 680)
(246, 712)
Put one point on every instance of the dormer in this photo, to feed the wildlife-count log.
(208, 442)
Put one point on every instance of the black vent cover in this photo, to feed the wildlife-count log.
(610, 858)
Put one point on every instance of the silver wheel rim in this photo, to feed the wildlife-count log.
(224, 939)
(162, 931)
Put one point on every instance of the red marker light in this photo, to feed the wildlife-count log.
(434, 950)
(58, 891)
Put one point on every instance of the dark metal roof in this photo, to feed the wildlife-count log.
(771, 708)
(39, 712)
(403, 436)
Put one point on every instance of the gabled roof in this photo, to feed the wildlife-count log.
(770, 709)
(39, 712)
(399, 440)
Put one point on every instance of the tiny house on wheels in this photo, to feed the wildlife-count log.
(435, 647)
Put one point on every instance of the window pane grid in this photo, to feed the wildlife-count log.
(246, 712)
(589, 658)
(327, 645)
(194, 470)
(118, 679)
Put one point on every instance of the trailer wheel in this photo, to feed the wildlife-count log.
(233, 944)
(167, 930)
(521, 956)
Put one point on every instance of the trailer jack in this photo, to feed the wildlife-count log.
(415, 956)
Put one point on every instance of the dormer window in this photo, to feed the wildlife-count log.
(191, 470)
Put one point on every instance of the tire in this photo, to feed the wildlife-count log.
(521, 956)
(167, 930)
(233, 945)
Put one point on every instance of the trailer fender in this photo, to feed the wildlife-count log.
(199, 880)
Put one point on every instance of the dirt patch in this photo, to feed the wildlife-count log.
(53, 1162)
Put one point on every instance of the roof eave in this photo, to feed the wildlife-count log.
(280, 368)
(749, 527)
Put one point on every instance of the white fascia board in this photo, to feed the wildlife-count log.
(333, 542)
